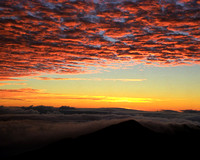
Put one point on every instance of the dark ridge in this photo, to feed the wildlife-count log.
(123, 129)
(123, 140)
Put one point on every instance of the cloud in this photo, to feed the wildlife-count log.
(127, 99)
(22, 90)
(3, 84)
(126, 80)
(10, 79)
(23, 128)
(91, 79)
(21, 94)
(65, 79)
(29, 94)
(68, 37)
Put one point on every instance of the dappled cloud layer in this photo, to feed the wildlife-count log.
(74, 36)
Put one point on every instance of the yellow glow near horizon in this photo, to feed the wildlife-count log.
(153, 89)
(29, 96)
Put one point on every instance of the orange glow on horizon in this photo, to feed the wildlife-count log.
(29, 96)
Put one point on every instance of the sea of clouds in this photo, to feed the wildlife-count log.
(25, 128)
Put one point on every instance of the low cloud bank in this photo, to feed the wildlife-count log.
(23, 128)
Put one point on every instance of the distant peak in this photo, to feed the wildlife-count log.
(126, 128)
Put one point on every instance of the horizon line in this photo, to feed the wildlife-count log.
(125, 108)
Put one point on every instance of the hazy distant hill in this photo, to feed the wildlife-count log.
(125, 139)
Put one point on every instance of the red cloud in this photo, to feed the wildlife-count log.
(67, 37)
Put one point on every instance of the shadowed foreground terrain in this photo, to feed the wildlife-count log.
(125, 139)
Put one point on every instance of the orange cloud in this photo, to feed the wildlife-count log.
(91, 79)
(33, 95)
(67, 37)
(126, 80)
(3, 84)
(9, 79)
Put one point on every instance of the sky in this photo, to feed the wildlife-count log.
(136, 54)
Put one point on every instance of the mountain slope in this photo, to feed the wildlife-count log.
(125, 139)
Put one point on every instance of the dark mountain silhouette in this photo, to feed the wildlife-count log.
(126, 139)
